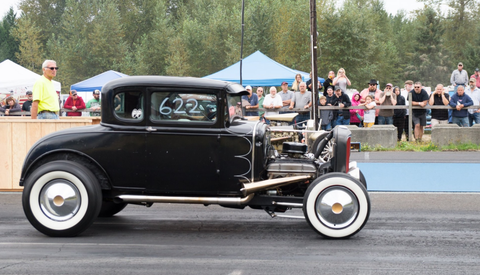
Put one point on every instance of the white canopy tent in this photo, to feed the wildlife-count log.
(18, 79)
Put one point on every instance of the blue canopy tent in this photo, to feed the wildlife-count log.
(96, 82)
(259, 70)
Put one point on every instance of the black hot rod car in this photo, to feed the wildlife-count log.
(184, 140)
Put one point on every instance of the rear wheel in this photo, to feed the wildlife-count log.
(336, 205)
(61, 198)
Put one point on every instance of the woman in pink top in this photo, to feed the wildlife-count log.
(354, 118)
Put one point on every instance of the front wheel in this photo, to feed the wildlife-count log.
(61, 198)
(336, 205)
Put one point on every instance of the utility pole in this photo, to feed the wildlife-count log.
(313, 53)
(241, 46)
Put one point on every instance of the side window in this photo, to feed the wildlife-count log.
(129, 105)
(185, 107)
(235, 107)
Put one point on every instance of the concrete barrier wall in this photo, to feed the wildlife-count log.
(377, 135)
(445, 134)
(18, 134)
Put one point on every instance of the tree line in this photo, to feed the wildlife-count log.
(200, 37)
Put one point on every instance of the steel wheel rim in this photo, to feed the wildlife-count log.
(337, 207)
(60, 200)
(327, 152)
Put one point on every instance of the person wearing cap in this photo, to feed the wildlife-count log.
(95, 104)
(477, 77)
(27, 105)
(11, 106)
(387, 98)
(459, 77)
(458, 101)
(440, 98)
(419, 116)
(373, 91)
(474, 93)
(251, 101)
(75, 103)
(286, 96)
(45, 103)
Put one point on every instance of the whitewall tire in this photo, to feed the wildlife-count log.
(61, 198)
(336, 205)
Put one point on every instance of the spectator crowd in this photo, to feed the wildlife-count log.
(466, 93)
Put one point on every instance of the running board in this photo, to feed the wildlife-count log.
(187, 200)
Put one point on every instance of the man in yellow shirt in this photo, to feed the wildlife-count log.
(45, 99)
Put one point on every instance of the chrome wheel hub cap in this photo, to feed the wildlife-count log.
(336, 207)
(60, 200)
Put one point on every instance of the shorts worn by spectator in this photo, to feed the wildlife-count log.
(439, 98)
(419, 118)
(459, 100)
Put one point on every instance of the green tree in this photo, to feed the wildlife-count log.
(45, 14)
(428, 61)
(8, 44)
(30, 52)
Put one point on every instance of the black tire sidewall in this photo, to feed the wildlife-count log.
(87, 182)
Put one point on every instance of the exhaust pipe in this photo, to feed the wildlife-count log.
(250, 188)
(189, 200)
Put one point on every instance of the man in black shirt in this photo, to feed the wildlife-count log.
(419, 118)
(27, 105)
(441, 98)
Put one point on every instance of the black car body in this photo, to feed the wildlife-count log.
(184, 140)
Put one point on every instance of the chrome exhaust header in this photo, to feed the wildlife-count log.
(188, 200)
(249, 188)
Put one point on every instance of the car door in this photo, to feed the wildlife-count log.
(122, 150)
(183, 148)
